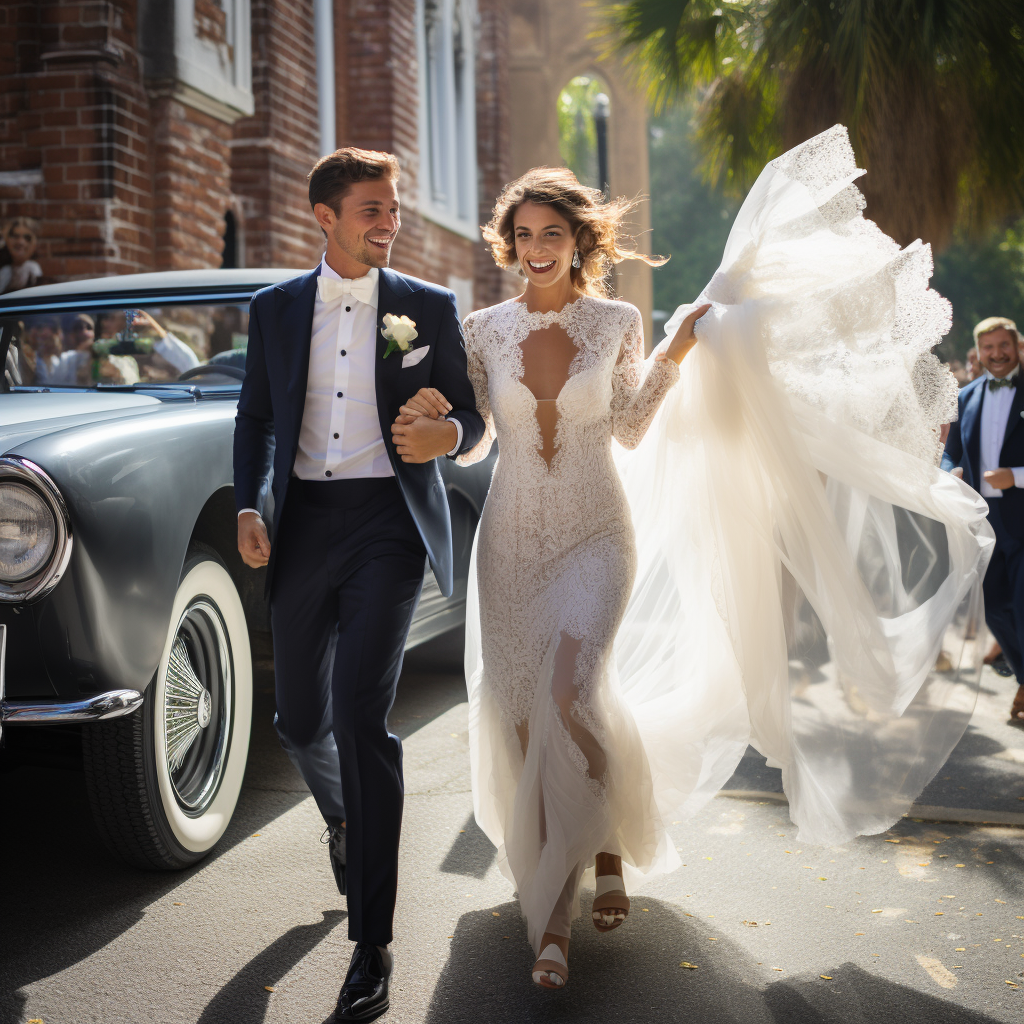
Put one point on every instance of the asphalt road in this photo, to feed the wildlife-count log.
(923, 924)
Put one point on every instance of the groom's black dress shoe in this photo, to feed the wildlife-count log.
(339, 858)
(364, 996)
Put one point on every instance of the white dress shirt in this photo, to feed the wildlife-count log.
(340, 437)
(995, 411)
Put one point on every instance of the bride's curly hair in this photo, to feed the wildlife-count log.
(596, 223)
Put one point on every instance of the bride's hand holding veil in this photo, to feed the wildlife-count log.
(684, 339)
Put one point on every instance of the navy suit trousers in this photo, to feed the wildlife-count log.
(1004, 590)
(350, 567)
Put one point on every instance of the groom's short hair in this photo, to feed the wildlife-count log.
(333, 175)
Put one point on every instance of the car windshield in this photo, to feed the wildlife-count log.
(126, 346)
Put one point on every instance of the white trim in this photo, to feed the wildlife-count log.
(458, 210)
(209, 69)
(323, 20)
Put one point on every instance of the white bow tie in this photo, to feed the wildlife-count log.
(360, 288)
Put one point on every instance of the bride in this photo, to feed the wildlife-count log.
(768, 554)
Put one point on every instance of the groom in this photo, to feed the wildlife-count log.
(355, 516)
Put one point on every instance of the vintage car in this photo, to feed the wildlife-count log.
(128, 621)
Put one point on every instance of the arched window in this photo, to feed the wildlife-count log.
(583, 109)
(447, 128)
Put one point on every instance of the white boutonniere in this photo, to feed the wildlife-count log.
(399, 332)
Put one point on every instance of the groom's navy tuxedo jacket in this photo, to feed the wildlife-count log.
(963, 448)
(273, 397)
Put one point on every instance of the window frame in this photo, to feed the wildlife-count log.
(457, 130)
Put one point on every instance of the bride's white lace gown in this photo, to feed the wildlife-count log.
(758, 549)
(556, 561)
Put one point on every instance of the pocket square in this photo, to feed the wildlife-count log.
(415, 356)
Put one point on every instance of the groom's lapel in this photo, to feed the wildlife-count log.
(400, 296)
(295, 329)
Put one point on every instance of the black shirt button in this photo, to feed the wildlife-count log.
(336, 436)
(343, 352)
(328, 473)
(348, 309)
(340, 395)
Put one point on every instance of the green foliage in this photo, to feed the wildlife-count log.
(930, 90)
(691, 220)
(981, 278)
(577, 134)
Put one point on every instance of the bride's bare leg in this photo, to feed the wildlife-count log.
(552, 967)
(611, 904)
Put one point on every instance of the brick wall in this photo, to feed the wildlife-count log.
(274, 150)
(382, 112)
(74, 133)
(126, 177)
(493, 141)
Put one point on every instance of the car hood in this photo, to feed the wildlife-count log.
(26, 416)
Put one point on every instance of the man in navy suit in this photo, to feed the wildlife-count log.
(985, 447)
(332, 356)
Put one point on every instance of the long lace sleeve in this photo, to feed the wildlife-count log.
(478, 377)
(635, 398)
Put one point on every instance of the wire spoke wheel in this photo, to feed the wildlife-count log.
(197, 706)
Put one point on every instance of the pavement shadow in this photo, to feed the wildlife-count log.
(471, 854)
(245, 996)
(854, 996)
(67, 897)
(633, 976)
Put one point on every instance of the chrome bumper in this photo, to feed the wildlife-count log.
(113, 704)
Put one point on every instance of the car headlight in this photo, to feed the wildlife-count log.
(28, 532)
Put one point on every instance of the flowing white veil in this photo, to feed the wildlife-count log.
(809, 581)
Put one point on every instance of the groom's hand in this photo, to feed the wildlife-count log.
(253, 542)
(420, 439)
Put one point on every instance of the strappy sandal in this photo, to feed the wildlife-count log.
(550, 970)
(611, 904)
(1017, 710)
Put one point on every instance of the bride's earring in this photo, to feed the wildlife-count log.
(576, 259)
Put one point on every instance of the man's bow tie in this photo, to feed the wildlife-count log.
(1005, 382)
(360, 288)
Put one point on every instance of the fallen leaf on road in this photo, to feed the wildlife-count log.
(858, 933)
(255, 835)
(494, 913)
(776, 968)
(645, 910)
(1012, 983)
(876, 911)
(960, 949)
(827, 977)
(923, 863)
(892, 840)
(822, 878)
(1000, 901)
(712, 940)
(268, 988)
(961, 865)
(689, 966)
(939, 913)
(750, 924)
(177, 904)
